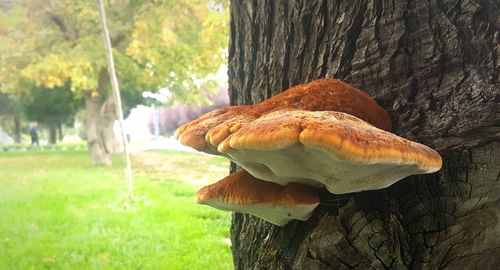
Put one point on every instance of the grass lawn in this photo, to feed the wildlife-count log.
(59, 212)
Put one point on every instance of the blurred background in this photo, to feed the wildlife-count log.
(63, 202)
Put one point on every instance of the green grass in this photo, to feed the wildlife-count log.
(54, 147)
(59, 212)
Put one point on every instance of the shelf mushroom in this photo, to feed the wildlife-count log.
(205, 133)
(241, 192)
(323, 133)
(332, 149)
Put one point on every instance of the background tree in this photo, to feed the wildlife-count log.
(53, 107)
(10, 112)
(434, 66)
(51, 42)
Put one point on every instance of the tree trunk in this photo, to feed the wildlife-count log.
(60, 134)
(52, 133)
(17, 129)
(100, 117)
(433, 65)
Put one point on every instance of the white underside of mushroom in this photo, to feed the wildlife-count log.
(318, 167)
(276, 214)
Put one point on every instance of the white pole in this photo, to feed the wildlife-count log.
(116, 94)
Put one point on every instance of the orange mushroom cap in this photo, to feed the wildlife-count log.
(241, 192)
(334, 149)
(205, 133)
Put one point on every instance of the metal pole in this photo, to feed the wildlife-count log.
(116, 94)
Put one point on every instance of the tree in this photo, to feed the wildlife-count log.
(11, 109)
(53, 107)
(50, 43)
(433, 65)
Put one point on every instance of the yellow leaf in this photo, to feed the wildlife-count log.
(48, 260)
(103, 256)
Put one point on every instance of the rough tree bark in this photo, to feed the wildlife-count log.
(100, 117)
(434, 66)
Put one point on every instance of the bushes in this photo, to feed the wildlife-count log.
(170, 118)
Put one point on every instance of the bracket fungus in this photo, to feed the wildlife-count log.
(334, 149)
(206, 132)
(323, 133)
(241, 192)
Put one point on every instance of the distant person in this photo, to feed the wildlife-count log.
(34, 134)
